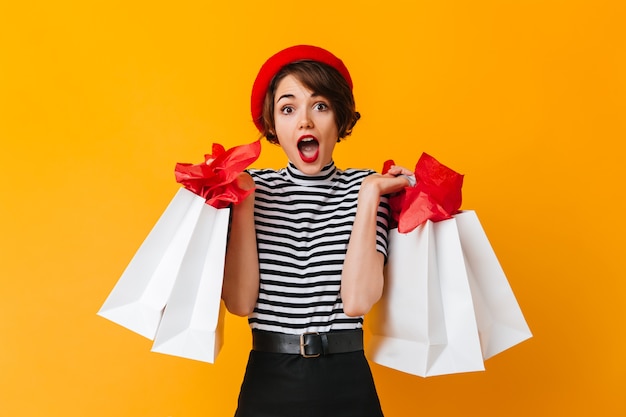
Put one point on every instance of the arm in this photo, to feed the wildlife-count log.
(241, 269)
(362, 277)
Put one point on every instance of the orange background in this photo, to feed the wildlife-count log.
(99, 100)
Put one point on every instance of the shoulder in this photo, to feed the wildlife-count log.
(354, 175)
(261, 171)
(358, 171)
(267, 179)
(264, 173)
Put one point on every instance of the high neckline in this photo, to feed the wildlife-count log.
(325, 175)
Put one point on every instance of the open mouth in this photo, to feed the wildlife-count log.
(309, 148)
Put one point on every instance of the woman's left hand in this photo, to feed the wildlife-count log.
(362, 277)
(396, 179)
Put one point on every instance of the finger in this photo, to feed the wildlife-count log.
(410, 179)
(399, 170)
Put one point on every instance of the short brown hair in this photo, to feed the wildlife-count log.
(323, 80)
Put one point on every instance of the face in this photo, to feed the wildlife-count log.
(305, 125)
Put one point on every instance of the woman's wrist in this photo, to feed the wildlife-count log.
(369, 194)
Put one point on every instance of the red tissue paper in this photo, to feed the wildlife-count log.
(216, 178)
(436, 195)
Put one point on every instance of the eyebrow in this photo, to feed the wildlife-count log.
(293, 96)
(285, 96)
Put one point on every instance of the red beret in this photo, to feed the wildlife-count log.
(276, 62)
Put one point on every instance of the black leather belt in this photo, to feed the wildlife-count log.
(309, 345)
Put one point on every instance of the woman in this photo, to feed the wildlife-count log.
(306, 250)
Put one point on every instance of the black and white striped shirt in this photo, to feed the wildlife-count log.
(303, 225)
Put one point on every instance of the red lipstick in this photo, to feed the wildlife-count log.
(308, 146)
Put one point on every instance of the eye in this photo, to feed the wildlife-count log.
(286, 110)
(321, 106)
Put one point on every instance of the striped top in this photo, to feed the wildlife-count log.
(303, 225)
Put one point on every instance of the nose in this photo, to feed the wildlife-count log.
(306, 122)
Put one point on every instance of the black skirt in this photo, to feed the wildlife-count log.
(284, 385)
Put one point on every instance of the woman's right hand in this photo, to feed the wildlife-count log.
(240, 288)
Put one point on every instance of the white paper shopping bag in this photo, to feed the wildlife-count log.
(192, 323)
(500, 320)
(408, 323)
(424, 323)
(137, 300)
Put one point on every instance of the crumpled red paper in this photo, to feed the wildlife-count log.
(436, 195)
(215, 178)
